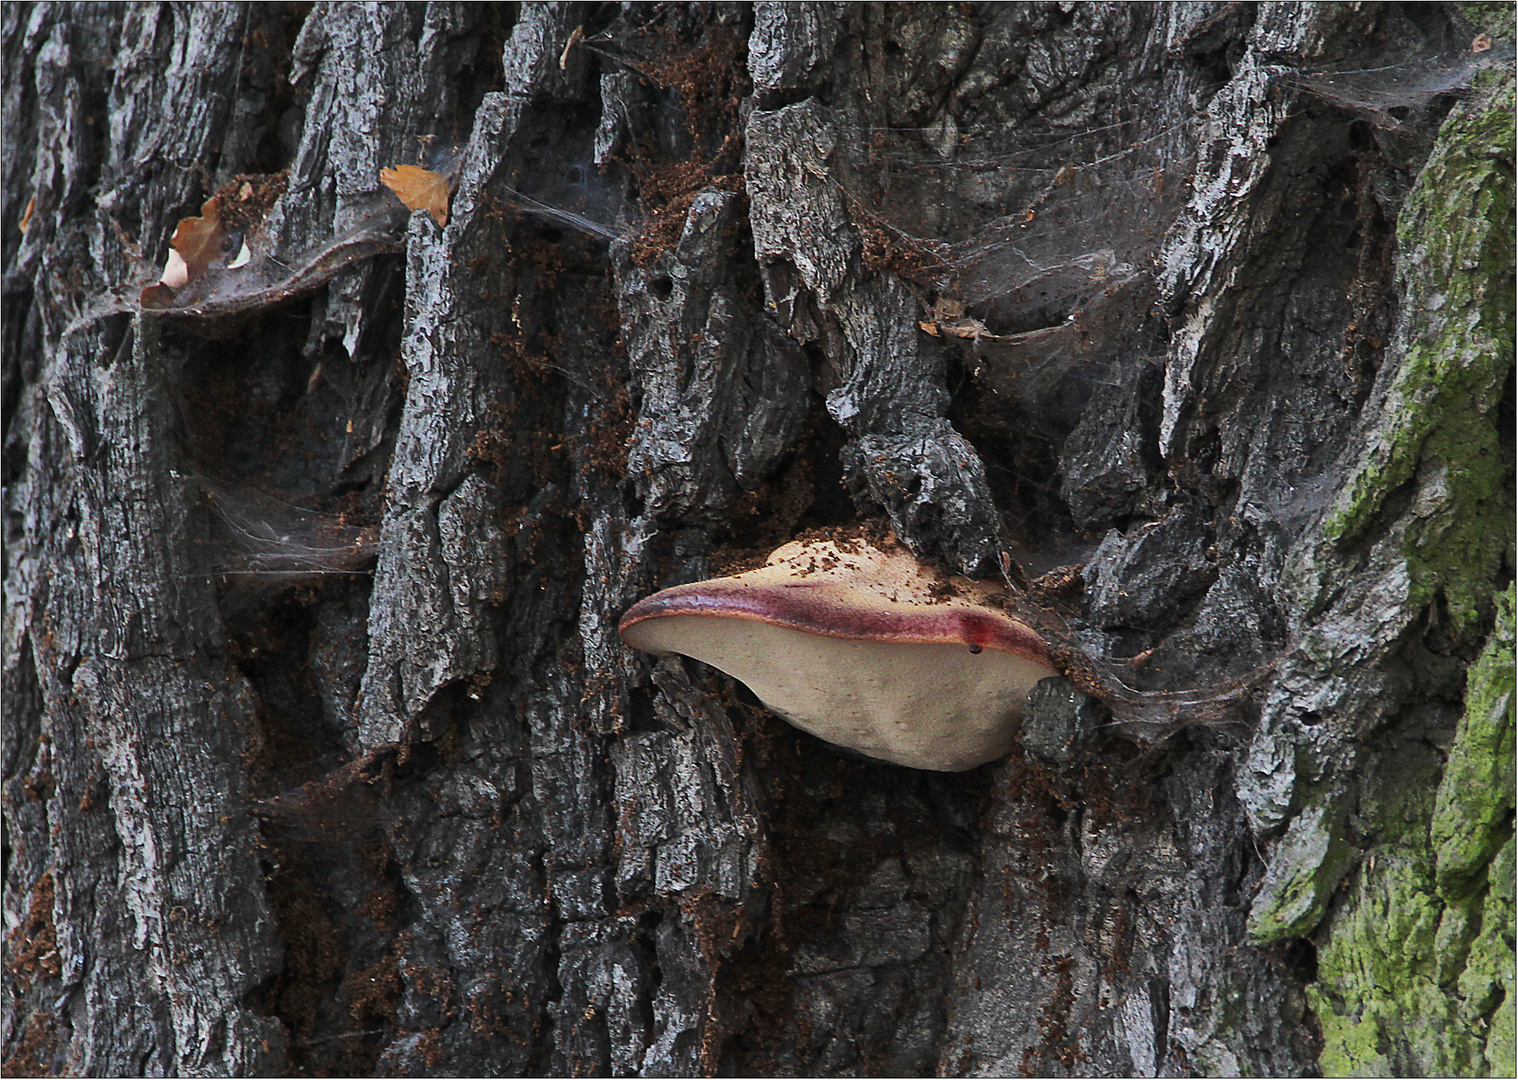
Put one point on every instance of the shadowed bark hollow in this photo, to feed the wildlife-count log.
(321, 751)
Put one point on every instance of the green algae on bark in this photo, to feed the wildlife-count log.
(1415, 969)
(1416, 956)
(1473, 814)
(1455, 235)
(1420, 528)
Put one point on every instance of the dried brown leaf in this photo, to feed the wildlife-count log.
(198, 240)
(419, 189)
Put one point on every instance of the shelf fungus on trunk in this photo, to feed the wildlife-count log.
(863, 646)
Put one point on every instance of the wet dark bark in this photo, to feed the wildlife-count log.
(322, 753)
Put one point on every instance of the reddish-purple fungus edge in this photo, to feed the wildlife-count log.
(800, 607)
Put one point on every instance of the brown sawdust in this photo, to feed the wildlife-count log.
(711, 80)
(37, 1048)
(34, 942)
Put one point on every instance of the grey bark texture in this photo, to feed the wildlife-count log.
(321, 751)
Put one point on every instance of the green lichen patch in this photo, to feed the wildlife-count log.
(1416, 964)
(1473, 816)
(1438, 432)
(1416, 955)
(1377, 996)
(1486, 984)
(1410, 986)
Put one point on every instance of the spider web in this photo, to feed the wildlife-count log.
(1035, 251)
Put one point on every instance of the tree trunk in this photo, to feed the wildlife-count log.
(322, 753)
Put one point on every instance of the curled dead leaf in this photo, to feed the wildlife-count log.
(419, 189)
(198, 242)
(219, 238)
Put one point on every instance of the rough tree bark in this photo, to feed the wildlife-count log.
(321, 752)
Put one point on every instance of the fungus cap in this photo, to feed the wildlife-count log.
(861, 646)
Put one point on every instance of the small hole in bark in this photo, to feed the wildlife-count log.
(1303, 955)
(1311, 718)
(662, 287)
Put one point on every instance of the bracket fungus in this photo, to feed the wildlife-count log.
(865, 647)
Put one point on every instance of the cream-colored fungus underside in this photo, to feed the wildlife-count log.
(937, 707)
(928, 704)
